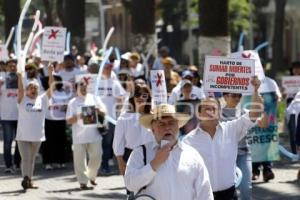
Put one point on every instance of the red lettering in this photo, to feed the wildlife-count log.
(232, 81)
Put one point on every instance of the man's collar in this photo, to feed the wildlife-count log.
(221, 125)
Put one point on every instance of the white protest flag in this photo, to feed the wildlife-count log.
(251, 54)
(291, 84)
(223, 74)
(3, 53)
(159, 88)
(53, 44)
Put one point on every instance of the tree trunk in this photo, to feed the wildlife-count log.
(48, 10)
(277, 57)
(75, 22)
(11, 15)
(60, 11)
(214, 37)
(143, 24)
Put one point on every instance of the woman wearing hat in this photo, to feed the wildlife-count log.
(167, 169)
(172, 77)
(31, 119)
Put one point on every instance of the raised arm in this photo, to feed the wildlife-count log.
(50, 81)
(257, 102)
(21, 91)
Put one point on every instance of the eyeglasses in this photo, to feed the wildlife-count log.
(143, 95)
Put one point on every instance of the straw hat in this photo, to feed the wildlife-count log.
(164, 110)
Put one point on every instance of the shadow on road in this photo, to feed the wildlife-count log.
(70, 190)
(113, 195)
(261, 193)
(13, 193)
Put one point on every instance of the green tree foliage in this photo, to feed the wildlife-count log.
(239, 15)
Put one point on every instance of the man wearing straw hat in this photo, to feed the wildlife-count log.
(171, 170)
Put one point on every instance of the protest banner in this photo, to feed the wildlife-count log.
(251, 54)
(53, 44)
(264, 142)
(159, 88)
(222, 74)
(291, 84)
(3, 53)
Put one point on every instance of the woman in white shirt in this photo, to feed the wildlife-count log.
(54, 148)
(129, 134)
(31, 119)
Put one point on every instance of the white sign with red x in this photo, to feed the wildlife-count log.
(159, 88)
(53, 44)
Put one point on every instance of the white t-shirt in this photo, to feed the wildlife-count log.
(57, 106)
(82, 134)
(31, 118)
(108, 91)
(69, 75)
(129, 133)
(69, 78)
(8, 97)
(197, 93)
(138, 71)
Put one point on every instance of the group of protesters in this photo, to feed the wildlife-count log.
(154, 153)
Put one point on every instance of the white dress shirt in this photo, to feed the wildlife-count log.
(129, 133)
(182, 176)
(219, 153)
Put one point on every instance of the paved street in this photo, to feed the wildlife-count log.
(60, 184)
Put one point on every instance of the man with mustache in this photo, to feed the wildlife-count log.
(165, 168)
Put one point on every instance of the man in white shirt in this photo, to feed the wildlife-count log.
(165, 168)
(85, 135)
(217, 142)
(112, 95)
(9, 114)
(68, 74)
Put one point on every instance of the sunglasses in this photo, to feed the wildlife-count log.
(143, 95)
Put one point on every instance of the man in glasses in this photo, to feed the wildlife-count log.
(217, 142)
